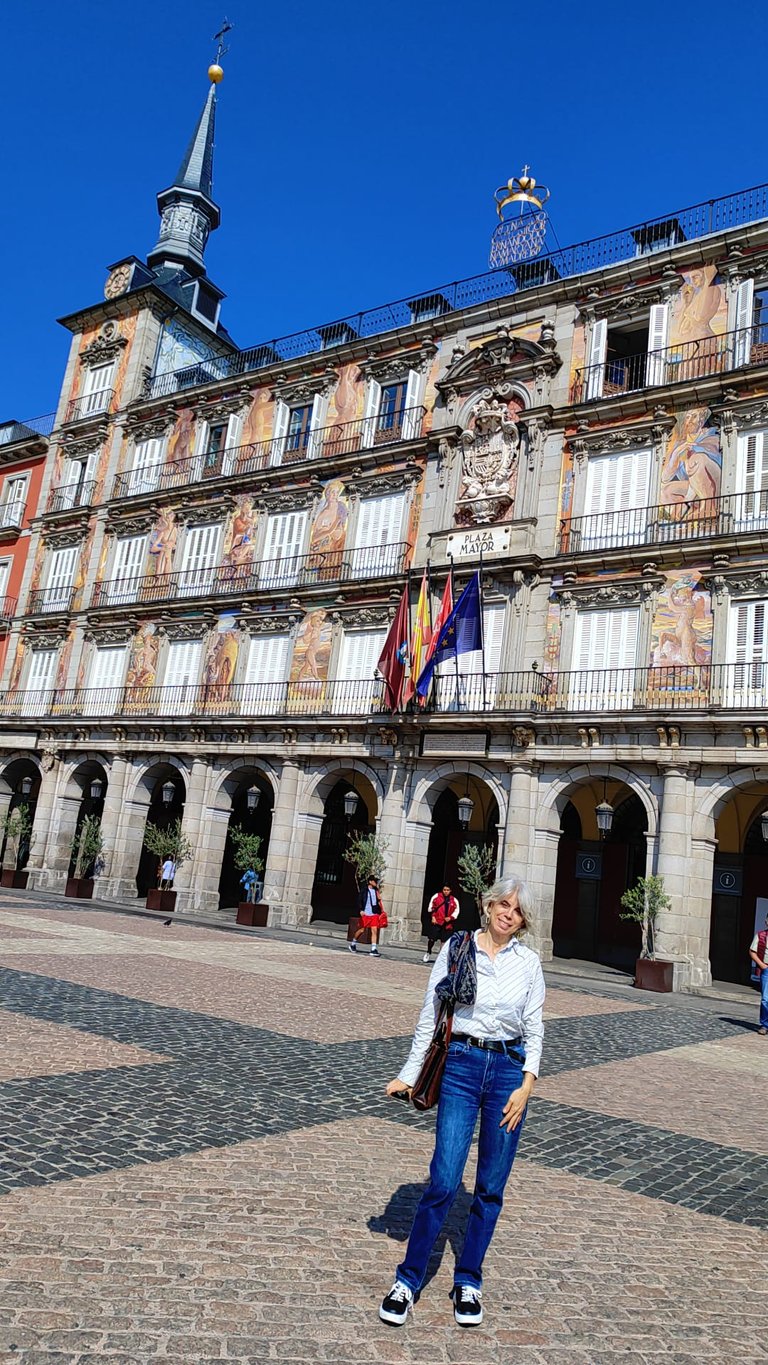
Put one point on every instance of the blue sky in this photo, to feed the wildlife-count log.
(358, 146)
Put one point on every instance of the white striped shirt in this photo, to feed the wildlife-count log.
(509, 1004)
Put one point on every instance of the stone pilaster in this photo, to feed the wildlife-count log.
(282, 843)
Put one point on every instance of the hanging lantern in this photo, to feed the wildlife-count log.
(96, 788)
(350, 803)
(466, 807)
(604, 814)
(169, 791)
(25, 786)
(253, 796)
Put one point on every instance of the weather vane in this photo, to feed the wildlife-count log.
(215, 70)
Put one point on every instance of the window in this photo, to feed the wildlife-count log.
(77, 483)
(105, 681)
(358, 687)
(14, 500)
(751, 325)
(97, 389)
(392, 411)
(747, 674)
(392, 406)
(266, 675)
(38, 687)
(615, 510)
(127, 570)
(751, 507)
(5, 573)
(627, 356)
(61, 574)
(216, 444)
(147, 461)
(182, 670)
(604, 656)
(283, 548)
(200, 560)
(298, 430)
(463, 684)
(378, 536)
(299, 423)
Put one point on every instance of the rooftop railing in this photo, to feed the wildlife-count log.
(345, 438)
(71, 495)
(663, 689)
(13, 432)
(290, 571)
(669, 524)
(680, 364)
(645, 239)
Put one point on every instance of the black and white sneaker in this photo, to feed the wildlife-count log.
(352, 946)
(467, 1308)
(395, 1307)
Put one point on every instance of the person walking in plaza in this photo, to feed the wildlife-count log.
(167, 874)
(443, 911)
(372, 914)
(758, 951)
(492, 1065)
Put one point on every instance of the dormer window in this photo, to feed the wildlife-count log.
(207, 303)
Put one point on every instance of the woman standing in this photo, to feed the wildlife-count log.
(492, 1065)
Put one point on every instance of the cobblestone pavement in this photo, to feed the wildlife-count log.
(198, 1163)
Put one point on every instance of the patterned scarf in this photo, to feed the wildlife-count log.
(459, 985)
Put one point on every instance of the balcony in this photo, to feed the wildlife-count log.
(346, 438)
(222, 580)
(70, 496)
(89, 405)
(705, 689)
(671, 524)
(12, 514)
(7, 610)
(681, 364)
(50, 601)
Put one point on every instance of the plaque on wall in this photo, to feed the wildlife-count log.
(589, 867)
(727, 881)
(485, 540)
(444, 744)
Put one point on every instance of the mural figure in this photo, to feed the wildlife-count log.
(219, 665)
(329, 532)
(259, 419)
(682, 623)
(162, 543)
(180, 441)
(311, 656)
(142, 660)
(346, 401)
(18, 664)
(698, 313)
(490, 455)
(238, 547)
(62, 667)
(693, 462)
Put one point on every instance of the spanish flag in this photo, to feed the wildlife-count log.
(422, 638)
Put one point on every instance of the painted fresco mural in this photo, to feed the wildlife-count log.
(17, 666)
(693, 461)
(220, 663)
(348, 397)
(125, 328)
(239, 541)
(141, 672)
(699, 312)
(552, 635)
(259, 419)
(179, 346)
(681, 640)
(181, 442)
(430, 388)
(328, 532)
(162, 543)
(65, 657)
(83, 561)
(310, 661)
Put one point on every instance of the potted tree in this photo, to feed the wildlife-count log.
(87, 847)
(643, 904)
(368, 856)
(476, 868)
(164, 843)
(252, 909)
(17, 827)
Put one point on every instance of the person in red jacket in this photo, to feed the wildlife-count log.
(443, 911)
(758, 951)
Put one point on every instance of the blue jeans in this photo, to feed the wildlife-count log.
(474, 1082)
(764, 998)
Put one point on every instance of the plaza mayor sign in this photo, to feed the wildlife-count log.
(484, 540)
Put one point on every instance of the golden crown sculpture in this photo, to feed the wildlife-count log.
(520, 190)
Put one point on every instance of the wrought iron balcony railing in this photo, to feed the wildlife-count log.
(668, 689)
(43, 601)
(12, 513)
(89, 405)
(644, 239)
(680, 364)
(346, 438)
(290, 571)
(7, 609)
(736, 513)
(71, 495)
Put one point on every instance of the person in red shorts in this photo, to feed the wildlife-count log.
(372, 916)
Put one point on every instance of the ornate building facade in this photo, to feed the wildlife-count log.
(226, 533)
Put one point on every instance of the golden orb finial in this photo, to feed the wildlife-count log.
(215, 73)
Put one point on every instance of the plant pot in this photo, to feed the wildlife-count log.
(254, 915)
(161, 900)
(352, 928)
(80, 888)
(653, 975)
(9, 877)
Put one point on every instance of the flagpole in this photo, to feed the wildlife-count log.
(482, 625)
(409, 623)
(455, 651)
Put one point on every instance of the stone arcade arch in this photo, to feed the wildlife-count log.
(448, 838)
(232, 799)
(75, 802)
(12, 775)
(334, 888)
(146, 803)
(733, 811)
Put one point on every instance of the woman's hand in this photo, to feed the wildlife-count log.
(397, 1087)
(512, 1113)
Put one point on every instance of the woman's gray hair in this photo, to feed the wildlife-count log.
(511, 886)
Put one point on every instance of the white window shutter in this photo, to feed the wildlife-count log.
(61, 577)
(5, 573)
(147, 458)
(283, 548)
(182, 672)
(747, 676)
(371, 411)
(266, 675)
(38, 688)
(282, 418)
(357, 685)
(232, 443)
(658, 322)
(316, 424)
(128, 568)
(598, 344)
(752, 505)
(412, 415)
(379, 532)
(105, 681)
(200, 559)
(743, 312)
(97, 386)
(616, 484)
(604, 655)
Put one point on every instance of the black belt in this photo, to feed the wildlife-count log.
(488, 1044)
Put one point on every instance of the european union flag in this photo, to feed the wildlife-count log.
(461, 634)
